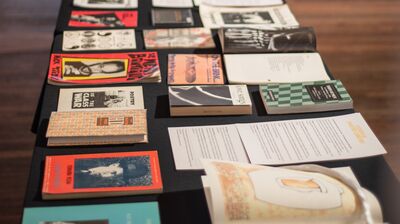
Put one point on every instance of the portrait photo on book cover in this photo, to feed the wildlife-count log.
(247, 18)
(103, 221)
(200, 95)
(80, 68)
(112, 172)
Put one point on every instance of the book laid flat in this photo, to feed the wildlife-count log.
(273, 17)
(304, 97)
(209, 100)
(178, 38)
(97, 40)
(95, 69)
(80, 18)
(172, 17)
(244, 193)
(97, 127)
(101, 98)
(252, 40)
(241, 3)
(172, 3)
(139, 212)
(101, 4)
(253, 69)
(195, 69)
(101, 175)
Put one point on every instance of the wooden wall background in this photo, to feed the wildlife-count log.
(359, 40)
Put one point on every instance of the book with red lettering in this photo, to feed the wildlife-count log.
(96, 69)
(87, 18)
(101, 175)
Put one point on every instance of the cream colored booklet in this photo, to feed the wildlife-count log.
(244, 193)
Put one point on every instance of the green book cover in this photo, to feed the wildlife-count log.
(127, 213)
(305, 96)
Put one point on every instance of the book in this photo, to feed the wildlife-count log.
(106, 4)
(253, 69)
(209, 100)
(101, 98)
(252, 40)
(195, 69)
(178, 38)
(273, 17)
(95, 69)
(241, 3)
(101, 175)
(139, 212)
(80, 18)
(173, 3)
(97, 127)
(97, 40)
(244, 193)
(172, 17)
(304, 97)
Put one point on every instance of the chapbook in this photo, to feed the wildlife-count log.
(109, 18)
(173, 3)
(101, 175)
(178, 38)
(209, 100)
(95, 69)
(252, 40)
(106, 4)
(139, 212)
(195, 69)
(101, 98)
(172, 17)
(244, 193)
(97, 127)
(303, 97)
(273, 17)
(255, 69)
(97, 40)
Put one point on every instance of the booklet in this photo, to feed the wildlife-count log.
(172, 17)
(253, 69)
(173, 3)
(103, 18)
(106, 4)
(242, 3)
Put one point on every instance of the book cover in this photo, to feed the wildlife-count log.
(178, 38)
(195, 69)
(173, 3)
(101, 98)
(248, 40)
(96, 40)
(95, 69)
(171, 17)
(106, 4)
(102, 174)
(103, 18)
(305, 96)
(121, 213)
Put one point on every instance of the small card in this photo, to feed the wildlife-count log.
(168, 17)
(103, 19)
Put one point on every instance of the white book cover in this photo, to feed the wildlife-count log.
(93, 40)
(173, 3)
(103, 98)
(106, 4)
(242, 3)
(253, 69)
(274, 17)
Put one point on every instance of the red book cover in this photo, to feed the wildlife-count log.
(94, 69)
(103, 19)
(83, 174)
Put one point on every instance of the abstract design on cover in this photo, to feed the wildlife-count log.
(200, 95)
(103, 19)
(112, 172)
(104, 68)
(89, 40)
(247, 18)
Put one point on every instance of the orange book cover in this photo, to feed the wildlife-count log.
(136, 172)
(195, 69)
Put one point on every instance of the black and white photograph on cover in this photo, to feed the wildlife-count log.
(247, 18)
(102, 99)
(199, 95)
(108, 19)
(289, 40)
(103, 221)
(112, 172)
(93, 68)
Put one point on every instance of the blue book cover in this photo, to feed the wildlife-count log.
(127, 213)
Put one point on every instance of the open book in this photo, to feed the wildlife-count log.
(244, 193)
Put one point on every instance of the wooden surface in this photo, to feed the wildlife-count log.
(359, 41)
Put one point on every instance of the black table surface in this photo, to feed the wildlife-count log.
(182, 200)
